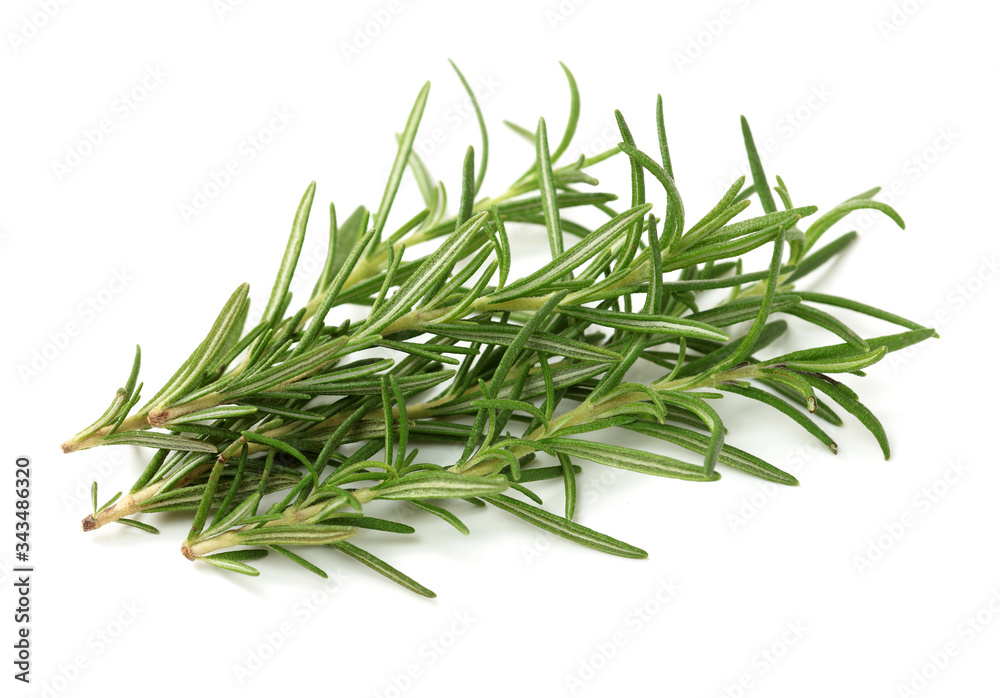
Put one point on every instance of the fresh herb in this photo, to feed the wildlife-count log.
(285, 412)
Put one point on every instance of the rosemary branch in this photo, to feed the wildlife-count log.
(287, 406)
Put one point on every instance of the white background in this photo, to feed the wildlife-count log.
(850, 94)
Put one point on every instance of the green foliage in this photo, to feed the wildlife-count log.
(286, 410)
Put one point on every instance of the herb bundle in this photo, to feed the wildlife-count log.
(505, 368)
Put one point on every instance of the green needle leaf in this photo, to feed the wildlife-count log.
(299, 561)
(543, 170)
(645, 323)
(428, 274)
(828, 322)
(138, 524)
(638, 195)
(155, 439)
(706, 414)
(221, 412)
(626, 459)
(854, 364)
(134, 374)
(329, 298)
(232, 566)
(290, 258)
(727, 208)
(574, 114)
(502, 404)
(521, 340)
(750, 339)
(233, 560)
(822, 256)
(371, 522)
(191, 374)
(661, 134)
(782, 406)
(566, 529)
(569, 478)
(793, 381)
(285, 448)
(533, 387)
(859, 308)
(573, 257)
(402, 157)
(295, 535)
(482, 128)
(439, 485)
(715, 250)
(506, 335)
(674, 217)
(731, 456)
(757, 170)
(840, 394)
(824, 222)
(384, 568)
(443, 513)
(207, 498)
(372, 386)
(846, 351)
(547, 473)
(291, 371)
(468, 188)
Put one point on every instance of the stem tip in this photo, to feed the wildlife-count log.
(157, 418)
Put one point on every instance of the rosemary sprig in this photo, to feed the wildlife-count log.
(283, 412)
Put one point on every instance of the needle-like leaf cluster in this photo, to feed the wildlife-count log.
(285, 432)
